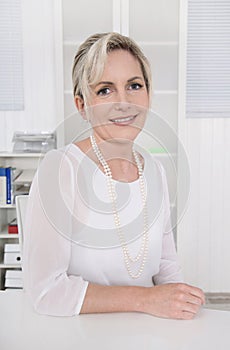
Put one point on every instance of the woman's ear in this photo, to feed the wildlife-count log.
(79, 102)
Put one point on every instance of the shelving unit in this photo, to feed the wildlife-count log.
(8, 212)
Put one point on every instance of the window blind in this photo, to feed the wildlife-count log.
(208, 59)
(11, 58)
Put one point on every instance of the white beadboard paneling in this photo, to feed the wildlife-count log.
(164, 63)
(188, 239)
(203, 202)
(226, 208)
(83, 18)
(204, 237)
(216, 210)
(154, 20)
(203, 234)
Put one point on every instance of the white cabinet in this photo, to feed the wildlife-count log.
(152, 24)
(22, 161)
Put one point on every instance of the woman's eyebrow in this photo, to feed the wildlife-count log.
(104, 83)
(134, 78)
(111, 83)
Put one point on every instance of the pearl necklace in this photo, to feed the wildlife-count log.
(142, 254)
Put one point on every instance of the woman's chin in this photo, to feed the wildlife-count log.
(121, 133)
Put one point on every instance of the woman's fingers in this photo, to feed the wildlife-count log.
(194, 295)
(190, 307)
(197, 292)
(193, 299)
(185, 315)
(175, 300)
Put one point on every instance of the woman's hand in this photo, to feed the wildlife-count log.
(174, 300)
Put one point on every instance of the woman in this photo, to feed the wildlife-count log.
(98, 231)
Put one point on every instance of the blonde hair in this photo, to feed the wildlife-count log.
(91, 57)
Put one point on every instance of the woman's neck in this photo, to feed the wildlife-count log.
(118, 155)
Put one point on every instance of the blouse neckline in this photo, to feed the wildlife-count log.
(140, 150)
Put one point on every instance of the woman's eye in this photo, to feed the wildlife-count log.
(103, 92)
(135, 86)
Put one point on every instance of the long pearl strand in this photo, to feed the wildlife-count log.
(142, 254)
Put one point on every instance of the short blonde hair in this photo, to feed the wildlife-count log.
(91, 57)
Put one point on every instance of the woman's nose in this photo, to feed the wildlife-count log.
(122, 101)
(122, 106)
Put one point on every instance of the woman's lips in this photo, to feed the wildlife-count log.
(123, 120)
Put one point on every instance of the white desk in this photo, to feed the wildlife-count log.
(22, 328)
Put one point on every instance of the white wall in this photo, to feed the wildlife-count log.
(42, 105)
(203, 235)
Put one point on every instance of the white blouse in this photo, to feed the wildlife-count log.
(71, 239)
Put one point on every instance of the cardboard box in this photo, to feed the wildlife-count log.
(13, 227)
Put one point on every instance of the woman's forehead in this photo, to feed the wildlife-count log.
(121, 62)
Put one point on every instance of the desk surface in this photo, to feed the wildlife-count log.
(21, 328)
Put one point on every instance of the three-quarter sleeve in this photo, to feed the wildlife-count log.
(47, 240)
(170, 270)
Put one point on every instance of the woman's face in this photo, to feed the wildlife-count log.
(119, 101)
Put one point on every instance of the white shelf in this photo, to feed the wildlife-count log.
(21, 155)
(10, 266)
(6, 235)
(24, 161)
(8, 206)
